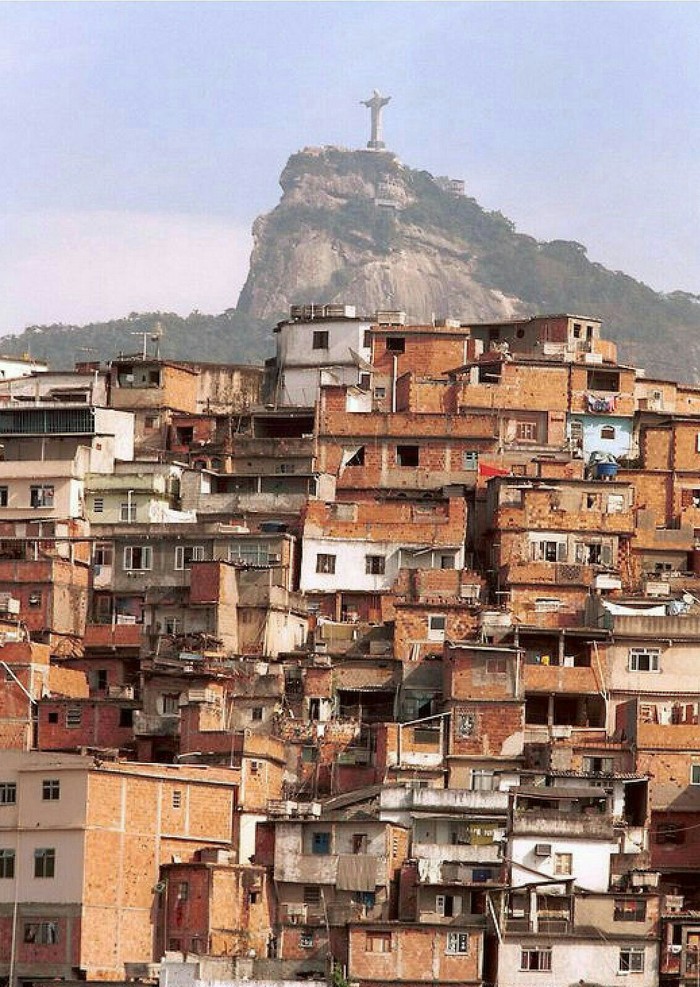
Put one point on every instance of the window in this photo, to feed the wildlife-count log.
(41, 933)
(536, 959)
(306, 939)
(563, 862)
(312, 894)
(286, 468)
(8, 792)
(496, 666)
(44, 862)
(320, 339)
(379, 393)
(309, 755)
(101, 679)
(630, 910)
(548, 551)
(174, 945)
(172, 626)
(170, 703)
(470, 460)
(526, 431)
(644, 660)
(367, 339)
(577, 330)
(357, 458)
(185, 555)
(34, 599)
(437, 623)
(607, 432)
(98, 505)
(325, 564)
(598, 765)
(483, 780)
(365, 382)
(126, 716)
(668, 832)
(41, 495)
(255, 767)
(377, 942)
(138, 558)
(177, 798)
(196, 945)
(396, 344)
(447, 561)
(256, 713)
(695, 774)
(184, 434)
(51, 789)
(103, 553)
(151, 422)
(74, 716)
(4, 497)
(631, 960)
(154, 378)
(407, 456)
(127, 511)
(448, 905)
(7, 863)
(593, 553)
(183, 890)
(52, 717)
(359, 843)
(375, 565)
(458, 942)
(320, 843)
(604, 380)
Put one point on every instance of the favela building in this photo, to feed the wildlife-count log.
(376, 663)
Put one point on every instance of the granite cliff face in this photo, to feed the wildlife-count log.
(359, 227)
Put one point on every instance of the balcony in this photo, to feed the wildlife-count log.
(456, 800)
(554, 824)
(156, 724)
(560, 678)
(113, 635)
(460, 853)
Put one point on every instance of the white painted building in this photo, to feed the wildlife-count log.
(562, 834)
(317, 346)
(331, 565)
(555, 960)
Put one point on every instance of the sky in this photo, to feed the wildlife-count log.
(139, 141)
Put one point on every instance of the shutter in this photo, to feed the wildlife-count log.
(606, 554)
(561, 551)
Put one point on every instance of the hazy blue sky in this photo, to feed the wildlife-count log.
(140, 140)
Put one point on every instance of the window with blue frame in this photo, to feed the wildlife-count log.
(320, 843)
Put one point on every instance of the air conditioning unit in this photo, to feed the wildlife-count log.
(470, 591)
(543, 849)
(296, 914)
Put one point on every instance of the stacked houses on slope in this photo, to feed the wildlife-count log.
(377, 663)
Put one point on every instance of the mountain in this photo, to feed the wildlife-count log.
(361, 228)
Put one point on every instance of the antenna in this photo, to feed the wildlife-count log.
(156, 336)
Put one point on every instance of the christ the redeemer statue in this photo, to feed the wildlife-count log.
(376, 104)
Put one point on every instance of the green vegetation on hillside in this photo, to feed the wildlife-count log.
(226, 338)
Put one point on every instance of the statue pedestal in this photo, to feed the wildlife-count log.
(376, 145)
